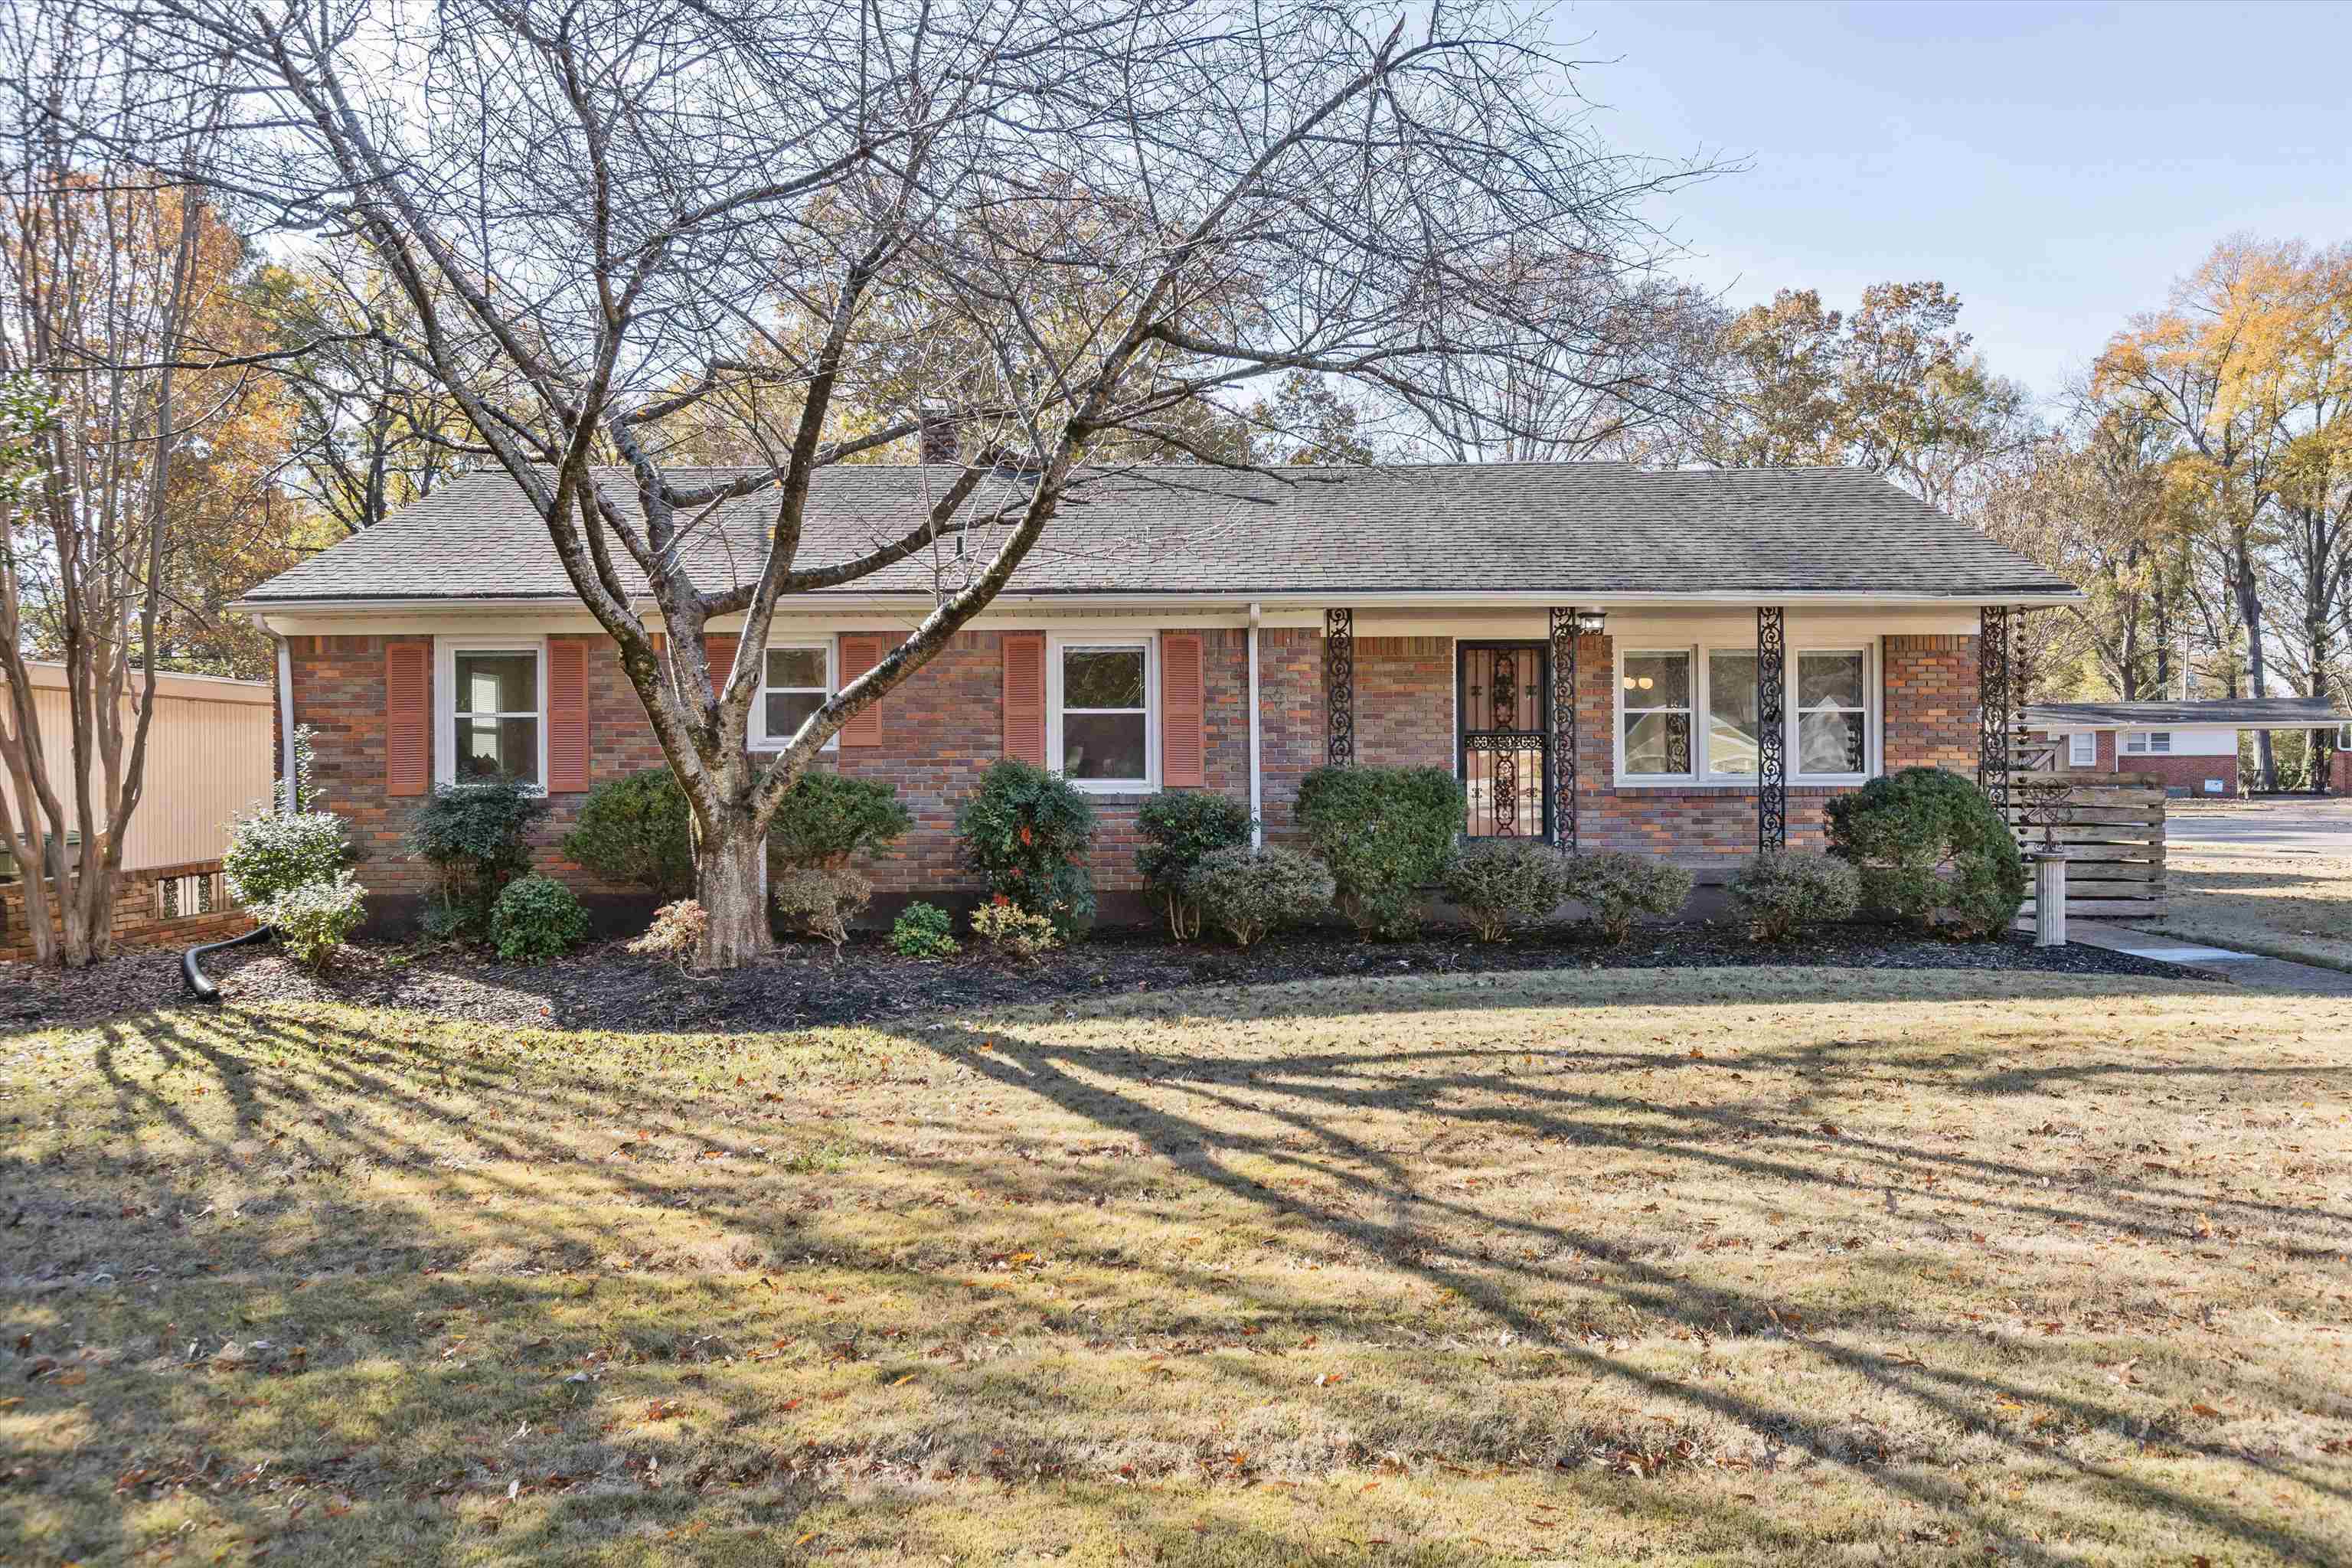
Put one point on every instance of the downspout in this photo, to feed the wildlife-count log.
(285, 727)
(1257, 827)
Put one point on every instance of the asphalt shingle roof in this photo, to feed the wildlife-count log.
(1569, 528)
(2236, 712)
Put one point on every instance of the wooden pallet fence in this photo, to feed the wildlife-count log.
(2111, 831)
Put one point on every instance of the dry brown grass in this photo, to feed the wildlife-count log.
(1753, 1267)
(2296, 907)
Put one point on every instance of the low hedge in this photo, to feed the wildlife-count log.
(1931, 849)
(1385, 833)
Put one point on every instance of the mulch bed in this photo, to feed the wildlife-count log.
(603, 987)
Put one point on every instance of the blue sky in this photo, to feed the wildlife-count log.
(2056, 165)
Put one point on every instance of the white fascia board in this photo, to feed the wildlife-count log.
(283, 614)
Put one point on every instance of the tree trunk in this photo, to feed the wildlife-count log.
(728, 884)
(2250, 612)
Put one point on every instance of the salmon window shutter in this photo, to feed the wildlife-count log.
(567, 716)
(859, 654)
(1183, 749)
(1025, 697)
(407, 717)
(718, 647)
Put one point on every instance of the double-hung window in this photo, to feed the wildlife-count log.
(1832, 710)
(2147, 742)
(494, 720)
(1099, 728)
(795, 679)
(1655, 694)
(2082, 749)
(1828, 716)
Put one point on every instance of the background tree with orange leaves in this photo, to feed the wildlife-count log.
(135, 436)
(2249, 367)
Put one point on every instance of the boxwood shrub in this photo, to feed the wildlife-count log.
(636, 829)
(827, 817)
(1247, 892)
(1931, 849)
(274, 852)
(1385, 833)
(536, 918)
(1178, 827)
(1500, 883)
(1782, 892)
(1615, 888)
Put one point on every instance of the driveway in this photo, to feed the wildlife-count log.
(2260, 827)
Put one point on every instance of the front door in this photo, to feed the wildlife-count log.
(1503, 707)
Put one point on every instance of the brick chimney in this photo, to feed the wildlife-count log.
(937, 439)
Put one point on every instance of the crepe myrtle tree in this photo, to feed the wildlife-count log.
(1072, 224)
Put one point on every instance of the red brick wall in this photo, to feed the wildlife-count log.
(138, 920)
(2188, 774)
(944, 726)
(1292, 736)
(339, 692)
(1930, 701)
(939, 731)
(1404, 701)
(1404, 716)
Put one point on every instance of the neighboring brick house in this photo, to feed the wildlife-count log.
(1422, 616)
(2192, 746)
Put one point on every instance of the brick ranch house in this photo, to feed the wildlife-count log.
(1681, 663)
(2191, 745)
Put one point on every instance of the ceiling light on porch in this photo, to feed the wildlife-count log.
(1591, 622)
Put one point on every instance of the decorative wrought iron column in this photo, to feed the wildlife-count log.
(1995, 628)
(1772, 728)
(1563, 728)
(1339, 686)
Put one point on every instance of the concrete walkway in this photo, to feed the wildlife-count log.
(2250, 970)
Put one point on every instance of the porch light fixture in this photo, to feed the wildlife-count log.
(1591, 622)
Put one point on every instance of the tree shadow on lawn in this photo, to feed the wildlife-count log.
(1309, 1087)
(1301, 1097)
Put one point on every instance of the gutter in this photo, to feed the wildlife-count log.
(1315, 602)
(1257, 792)
(286, 726)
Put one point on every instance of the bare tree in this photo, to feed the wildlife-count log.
(374, 431)
(1091, 215)
(1632, 367)
(108, 277)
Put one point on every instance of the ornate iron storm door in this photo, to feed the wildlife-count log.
(1502, 707)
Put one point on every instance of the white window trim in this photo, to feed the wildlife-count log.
(761, 741)
(2075, 747)
(1055, 644)
(2142, 743)
(1869, 710)
(1874, 728)
(445, 698)
(1617, 710)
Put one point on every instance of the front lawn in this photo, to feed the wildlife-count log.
(1669, 1265)
(2296, 907)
